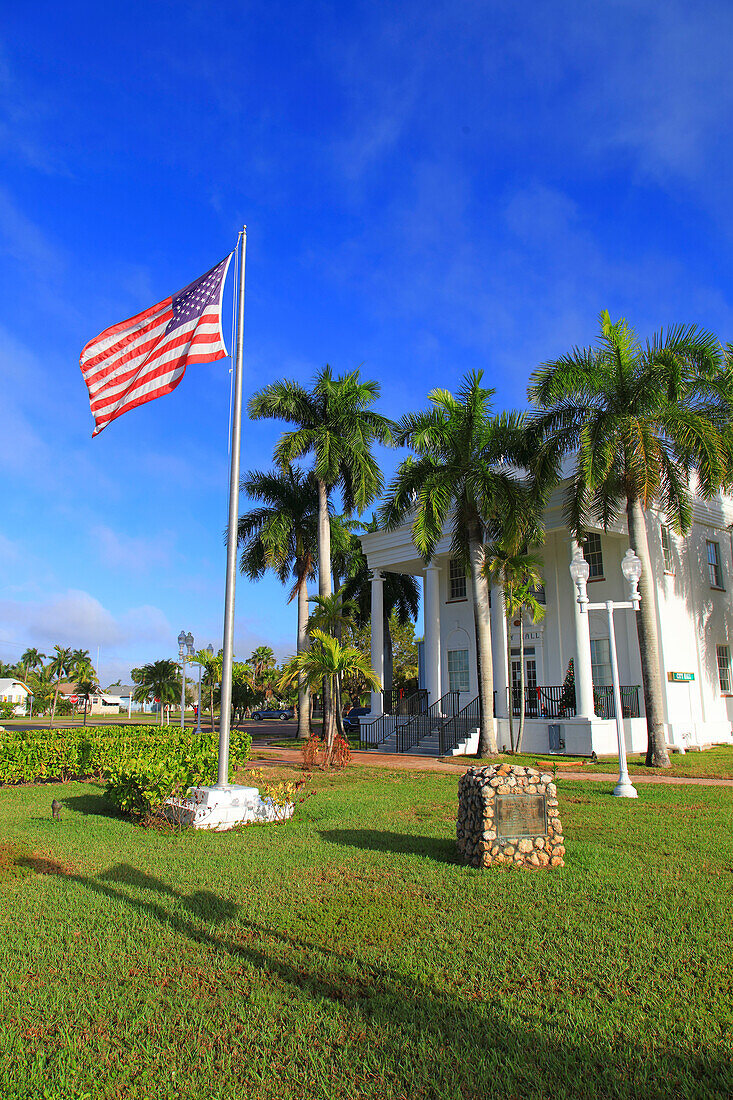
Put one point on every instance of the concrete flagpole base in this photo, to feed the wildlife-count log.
(223, 808)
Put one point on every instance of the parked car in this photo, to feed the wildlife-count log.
(351, 720)
(283, 715)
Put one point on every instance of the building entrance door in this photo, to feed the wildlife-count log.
(530, 683)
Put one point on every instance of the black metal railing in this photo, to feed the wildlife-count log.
(423, 724)
(544, 702)
(456, 729)
(375, 732)
(559, 702)
(605, 707)
(401, 701)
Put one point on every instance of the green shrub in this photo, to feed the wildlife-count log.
(142, 765)
(7, 710)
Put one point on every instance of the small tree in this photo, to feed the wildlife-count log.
(59, 667)
(159, 680)
(86, 687)
(326, 660)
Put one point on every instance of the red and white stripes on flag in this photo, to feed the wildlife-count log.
(145, 357)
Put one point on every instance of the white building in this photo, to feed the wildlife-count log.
(693, 579)
(14, 691)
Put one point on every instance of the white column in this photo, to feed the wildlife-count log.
(431, 614)
(581, 657)
(377, 638)
(499, 650)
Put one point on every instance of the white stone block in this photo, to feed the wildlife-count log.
(221, 808)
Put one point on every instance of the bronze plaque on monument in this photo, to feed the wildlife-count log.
(521, 815)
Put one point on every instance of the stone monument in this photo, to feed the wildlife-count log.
(508, 815)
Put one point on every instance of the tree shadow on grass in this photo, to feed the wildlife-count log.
(441, 849)
(432, 1041)
(95, 804)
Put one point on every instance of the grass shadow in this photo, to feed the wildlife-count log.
(94, 804)
(441, 849)
(469, 1047)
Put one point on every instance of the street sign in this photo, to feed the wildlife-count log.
(681, 677)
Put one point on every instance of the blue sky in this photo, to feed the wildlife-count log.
(428, 188)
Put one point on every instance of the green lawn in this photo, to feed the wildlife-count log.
(714, 763)
(345, 954)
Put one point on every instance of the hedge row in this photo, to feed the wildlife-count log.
(143, 765)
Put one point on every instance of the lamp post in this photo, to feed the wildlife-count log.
(631, 569)
(185, 649)
(210, 651)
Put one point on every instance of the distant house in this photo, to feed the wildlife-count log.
(15, 691)
(99, 702)
(125, 693)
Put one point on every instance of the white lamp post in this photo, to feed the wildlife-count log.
(185, 649)
(210, 651)
(631, 569)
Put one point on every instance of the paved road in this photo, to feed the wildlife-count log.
(270, 755)
(272, 729)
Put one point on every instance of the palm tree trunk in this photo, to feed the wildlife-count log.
(510, 687)
(522, 683)
(211, 705)
(338, 635)
(304, 724)
(324, 580)
(329, 726)
(482, 613)
(324, 542)
(646, 628)
(53, 708)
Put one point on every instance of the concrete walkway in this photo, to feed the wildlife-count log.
(396, 762)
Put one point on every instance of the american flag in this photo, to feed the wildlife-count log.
(146, 356)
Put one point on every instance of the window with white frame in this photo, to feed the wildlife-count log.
(458, 670)
(600, 662)
(593, 554)
(667, 549)
(715, 571)
(723, 652)
(457, 579)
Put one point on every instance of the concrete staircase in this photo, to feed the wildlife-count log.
(426, 746)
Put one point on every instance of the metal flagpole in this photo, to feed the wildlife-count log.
(232, 543)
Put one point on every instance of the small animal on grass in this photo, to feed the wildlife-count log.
(56, 810)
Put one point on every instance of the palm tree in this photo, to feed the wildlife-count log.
(281, 535)
(519, 573)
(32, 659)
(59, 667)
(159, 680)
(41, 683)
(81, 667)
(641, 419)
(327, 659)
(86, 686)
(461, 475)
(333, 615)
(260, 661)
(335, 423)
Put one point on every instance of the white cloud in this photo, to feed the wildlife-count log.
(75, 618)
